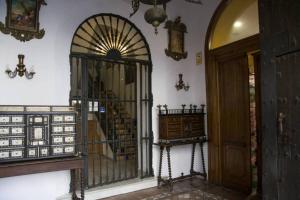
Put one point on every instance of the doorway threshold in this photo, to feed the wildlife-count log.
(110, 190)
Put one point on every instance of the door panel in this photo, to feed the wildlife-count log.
(234, 122)
(280, 41)
(236, 170)
(288, 87)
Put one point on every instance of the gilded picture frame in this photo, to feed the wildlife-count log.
(176, 31)
(22, 19)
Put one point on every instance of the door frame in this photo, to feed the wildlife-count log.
(213, 101)
(212, 91)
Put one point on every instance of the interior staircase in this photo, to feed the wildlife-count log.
(94, 147)
(121, 128)
(121, 125)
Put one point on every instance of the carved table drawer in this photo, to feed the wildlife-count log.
(179, 124)
(7, 154)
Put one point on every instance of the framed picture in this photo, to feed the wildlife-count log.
(22, 19)
(176, 31)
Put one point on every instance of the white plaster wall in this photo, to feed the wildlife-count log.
(197, 19)
(51, 84)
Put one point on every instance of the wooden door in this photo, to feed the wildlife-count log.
(228, 114)
(234, 122)
(280, 72)
(288, 139)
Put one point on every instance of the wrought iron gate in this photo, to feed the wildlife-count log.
(114, 100)
(111, 87)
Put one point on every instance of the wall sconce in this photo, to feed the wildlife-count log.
(20, 69)
(181, 85)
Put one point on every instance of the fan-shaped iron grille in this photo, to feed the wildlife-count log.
(111, 36)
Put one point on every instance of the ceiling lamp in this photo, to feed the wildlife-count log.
(155, 15)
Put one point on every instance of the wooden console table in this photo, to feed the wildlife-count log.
(40, 166)
(168, 144)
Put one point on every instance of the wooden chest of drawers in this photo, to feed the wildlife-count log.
(179, 124)
(36, 132)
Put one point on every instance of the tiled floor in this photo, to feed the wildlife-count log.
(187, 189)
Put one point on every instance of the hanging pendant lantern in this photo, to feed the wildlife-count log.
(155, 16)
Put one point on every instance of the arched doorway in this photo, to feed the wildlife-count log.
(111, 87)
(232, 77)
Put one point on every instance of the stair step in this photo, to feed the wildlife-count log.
(126, 157)
(127, 153)
(127, 136)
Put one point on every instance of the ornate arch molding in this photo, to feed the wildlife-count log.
(110, 36)
(209, 33)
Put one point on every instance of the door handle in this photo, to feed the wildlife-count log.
(281, 118)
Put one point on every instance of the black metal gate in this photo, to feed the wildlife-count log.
(114, 100)
(111, 87)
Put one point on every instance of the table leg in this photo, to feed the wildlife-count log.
(203, 162)
(193, 158)
(169, 168)
(73, 184)
(160, 165)
(82, 182)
